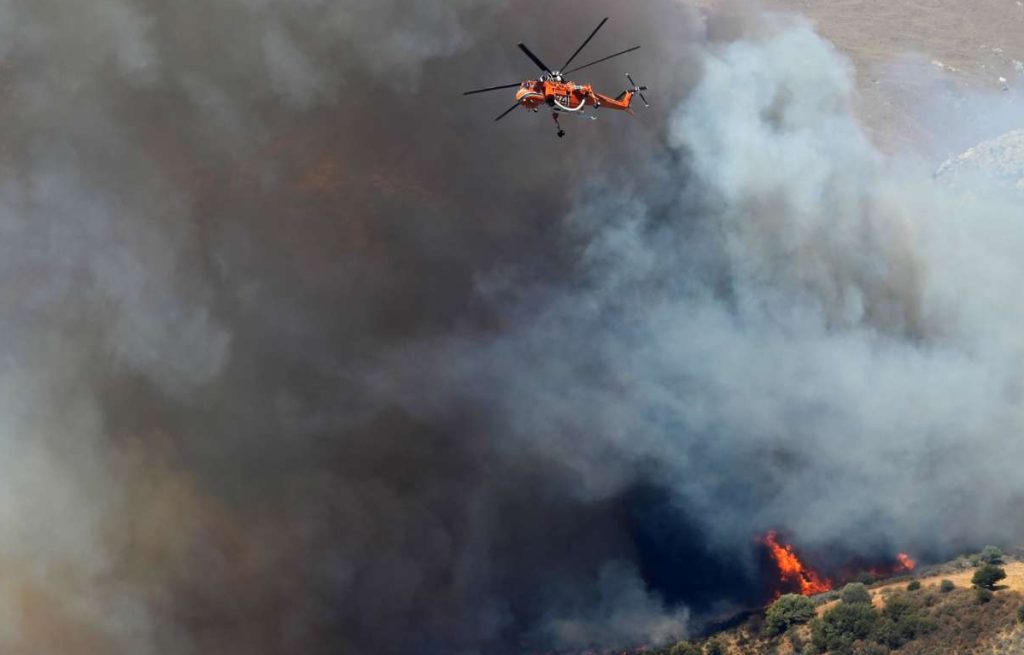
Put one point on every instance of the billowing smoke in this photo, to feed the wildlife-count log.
(304, 354)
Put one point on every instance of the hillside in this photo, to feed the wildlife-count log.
(929, 72)
(946, 621)
(999, 160)
(920, 62)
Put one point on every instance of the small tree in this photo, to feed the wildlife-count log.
(991, 555)
(788, 610)
(987, 576)
(914, 585)
(946, 586)
(982, 594)
(855, 592)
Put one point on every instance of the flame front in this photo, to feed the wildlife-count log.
(907, 562)
(792, 570)
(904, 564)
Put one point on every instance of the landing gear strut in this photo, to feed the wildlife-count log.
(560, 132)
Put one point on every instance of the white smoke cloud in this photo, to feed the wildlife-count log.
(844, 363)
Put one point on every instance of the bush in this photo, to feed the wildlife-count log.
(902, 622)
(946, 586)
(987, 576)
(788, 610)
(866, 578)
(855, 592)
(685, 648)
(844, 624)
(714, 647)
(1020, 613)
(898, 608)
(991, 555)
(982, 595)
(914, 585)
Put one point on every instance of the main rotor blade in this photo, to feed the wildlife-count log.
(506, 112)
(541, 65)
(492, 88)
(580, 49)
(579, 68)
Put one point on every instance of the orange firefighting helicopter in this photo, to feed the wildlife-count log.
(563, 96)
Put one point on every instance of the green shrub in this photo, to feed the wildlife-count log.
(889, 633)
(714, 647)
(914, 585)
(898, 607)
(1020, 613)
(844, 624)
(982, 595)
(991, 555)
(987, 576)
(902, 622)
(855, 592)
(685, 648)
(946, 586)
(788, 610)
(866, 578)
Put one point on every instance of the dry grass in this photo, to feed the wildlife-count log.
(1011, 643)
(1014, 580)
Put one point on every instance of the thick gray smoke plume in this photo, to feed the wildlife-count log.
(303, 354)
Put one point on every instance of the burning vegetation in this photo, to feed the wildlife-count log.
(796, 576)
(950, 608)
(793, 573)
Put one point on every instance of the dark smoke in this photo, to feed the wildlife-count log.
(303, 353)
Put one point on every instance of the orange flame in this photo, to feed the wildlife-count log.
(792, 570)
(904, 564)
(907, 562)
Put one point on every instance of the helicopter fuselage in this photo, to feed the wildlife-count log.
(563, 96)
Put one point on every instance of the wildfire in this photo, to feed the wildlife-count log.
(792, 570)
(907, 562)
(904, 564)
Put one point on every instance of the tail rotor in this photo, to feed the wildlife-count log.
(639, 90)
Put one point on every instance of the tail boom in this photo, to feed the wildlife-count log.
(625, 100)
(622, 103)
